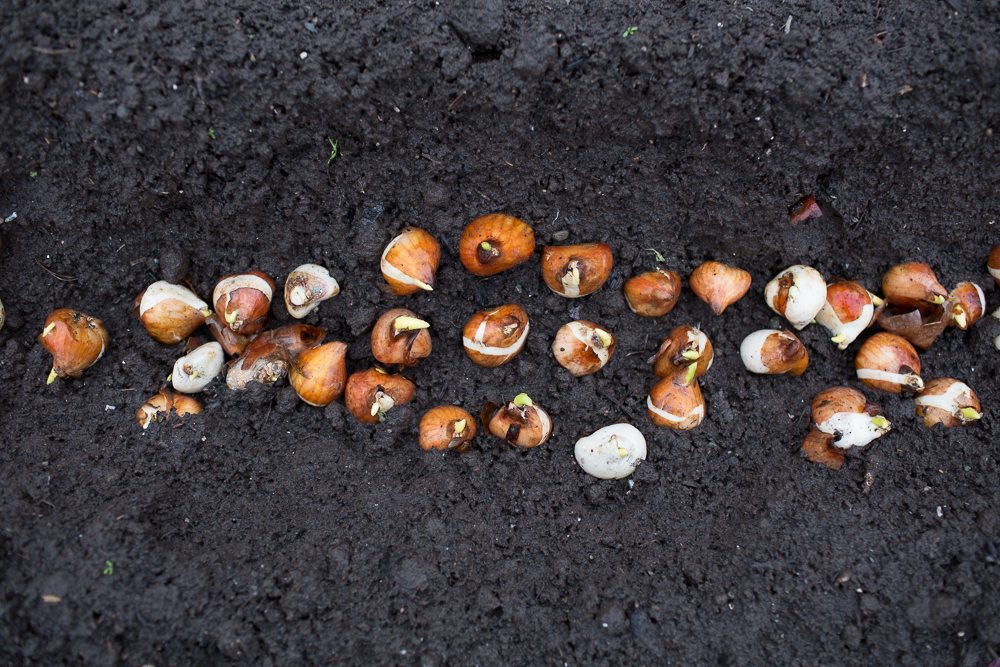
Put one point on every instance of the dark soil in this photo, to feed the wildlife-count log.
(269, 532)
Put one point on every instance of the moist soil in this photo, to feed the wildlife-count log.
(265, 531)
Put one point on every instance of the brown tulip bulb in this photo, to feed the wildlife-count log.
(654, 293)
(686, 351)
(243, 300)
(170, 312)
(446, 427)
(888, 362)
(371, 394)
(308, 286)
(520, 422)
(494, 337)
(818, 448)
(965, 306)
(948, 402)
(162, 405)
(719, 285)
(75, 340)
(798, 294)
(845, 414)
(318, 374)
(849, 310)
(913, 285)
(410, 262)
(232, 343)
(294, 338)
(400, 337)
(264, 362)
(993, 263)
(573, 271)
(676, 404)
(774, 352)
(495, 242)
(582, 347)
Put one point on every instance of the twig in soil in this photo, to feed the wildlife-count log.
(65, 279)
(430, 159)
(50, 52)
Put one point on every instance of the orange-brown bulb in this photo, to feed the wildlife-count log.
(242, 301)
(372, 393)
(719, 285)
(446, 427)
(75, 340)
(318, 374)
(495, 242)
(400, 337)
(573, 271)
(654, 293)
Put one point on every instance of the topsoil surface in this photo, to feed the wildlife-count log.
(268, 532)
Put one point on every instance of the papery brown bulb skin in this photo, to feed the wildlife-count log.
(948, 402)
(170, 313)
(654, 293)
(921, 329)
(523, 425)
(719, 285)
(774, 352)
(582, 347)
(993, 263)
(495, 242)
(683, 346)
(574, 271)
(818, 448)
(410, 261)
(888, 362)
(675, 404)
(164, 404)
(242, 301)
(400, 337)
(446, 427)
(836, 400)
(913, 285)
(75, 340)
(263, 362)
(233, 344)
(370, 394)
(494, 337)
(965, 305)
(294, 338)
(319, 373)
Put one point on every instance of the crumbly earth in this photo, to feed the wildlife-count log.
(268, 532)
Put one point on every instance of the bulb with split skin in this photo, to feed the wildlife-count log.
(849, 310)
(170, 313)
(913, 286)
(573, 271)
(888, 362)
(163, 405)
(842, 418)
(75, 340)
(612, 452)
(293, 338)
(685, 350)
(308, 286)
(495, 242)
(446, 427)
(798, 294)
(400, 337)
(242, 301)
(654, 293)
(409, 263)
(196, 369)
(948, 402)
(263, 362)
(582, 347)
(318, 374)
(719, 285)
(964, 306)
(494, 337)
(519, 422)
(233, 344)
(676, 404)
(372, 393)
(774, 352)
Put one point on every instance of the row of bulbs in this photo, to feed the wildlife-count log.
(915, 308)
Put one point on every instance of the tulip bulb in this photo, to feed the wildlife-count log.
(293, 338)
(774, 352)
(494, 337)
(76, 342)
(685, 350)
(196, 369)
(798, 294)
(400, 337)
(654, 293)
(520, 422)
(612, 452)
(849, 309)
(888, 362)
(233, 344)
(371, 394)
(160, 406)
(965, 305)
(446, 427)
(719, 285)
(264, 362)
(676, 404)
(993, 263)
(243, 301)
(170, 312)
(318, 374)
(846, 414)
(582, 347)
(306, 287)
(410, 262)
(913, 285)
(495, 242)
(573, 271)
(948, 402)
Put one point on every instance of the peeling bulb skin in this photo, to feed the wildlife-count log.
(446, 427)
(684, 348)
(495, 242)
(163, 405)
(676, 405)
(948, 402)
(264, 362)
(847, 312)
(888, 362)
(798, 294)
(196, 369)
(170, 313)
(306, 287)
(818, 448)
(913, 286)
(520, 423)
(75, 340)
(410, 261)
(965, 306)
(654, 293)
(233, 344)
(993, 263)
(719, 285)
(319, 374)
(582, 347)
(774, 352)
(293, 338)
(612, 452)
(372, 393)
(242, 301)
(494, 337)
(574, 271)
(400, 337)
(846, 415)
